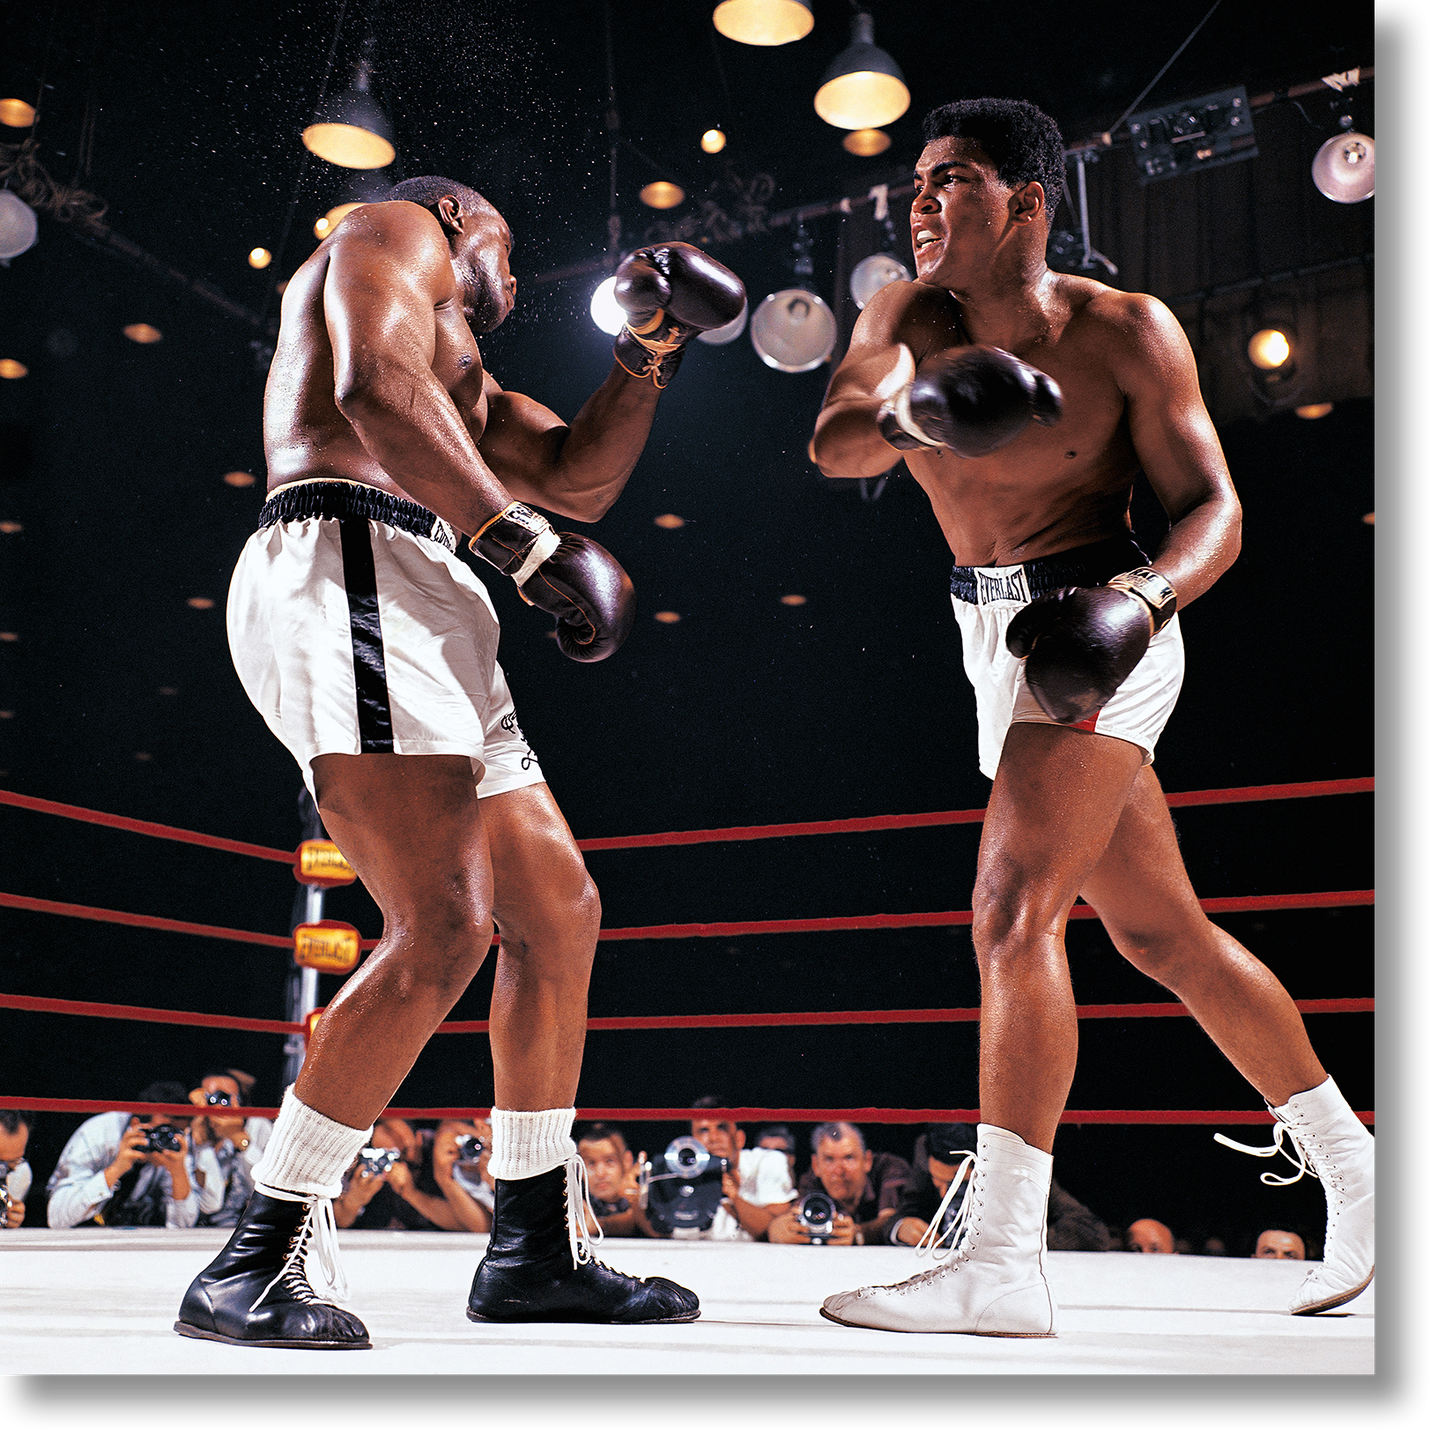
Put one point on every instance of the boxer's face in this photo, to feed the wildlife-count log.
(960, 212)
(481, 259)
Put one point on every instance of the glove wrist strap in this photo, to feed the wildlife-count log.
(1153, 589)
(653, 351)
(895, 422)
(516, 541)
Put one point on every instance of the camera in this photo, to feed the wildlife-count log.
(161, 1139)
(816, 1213)
(378, 1161)
(218, 1101)
(470, 1148)
(682, 1199)
(4, 1198)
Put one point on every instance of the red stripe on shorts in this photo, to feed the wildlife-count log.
(1087, 725)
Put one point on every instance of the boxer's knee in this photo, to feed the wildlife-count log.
(1170, 951)
(1017, 927)
(435, 955)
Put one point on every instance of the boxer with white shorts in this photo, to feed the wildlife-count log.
(1028, 403)
(371, 651)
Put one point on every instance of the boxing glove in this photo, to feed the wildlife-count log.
(670, 293)
(1080, 643)
(970, 399)
(577, 581)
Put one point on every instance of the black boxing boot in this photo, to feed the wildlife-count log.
(255, 1292)
(541, 1268)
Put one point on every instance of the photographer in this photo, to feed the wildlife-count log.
(117, 1170)
(866, 1191)
(756, 1184)
(398, 1182)
(448, 1171)
(14, 1171)
(225, 1147)
(613, 1182)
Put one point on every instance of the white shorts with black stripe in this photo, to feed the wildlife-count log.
(355, 629)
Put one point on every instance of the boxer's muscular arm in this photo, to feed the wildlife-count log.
(384, 283)
(1176, 444)
(846, 440)
(577, 470)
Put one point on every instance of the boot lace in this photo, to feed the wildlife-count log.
(580, 1218)
(1281, 1133)
(945, 1236)
(318, 1227)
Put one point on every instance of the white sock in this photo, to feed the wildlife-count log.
(307, 1152)
(531, 1143)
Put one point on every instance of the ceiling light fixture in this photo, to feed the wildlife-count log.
(763, 22)
(351, 129)
(259, 258)
(662, 195)
(875, 272)
(1344, 167)
(142, 332)
(12, 370)
(1269, 349)
(1314, 411)
(713, 141)
(867, 142)
(863, 88)
(18, 227)
(607, 313)
(794, 330)
(16, 112)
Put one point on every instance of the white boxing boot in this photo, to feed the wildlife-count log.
(1335, 1147)
(991, 1280)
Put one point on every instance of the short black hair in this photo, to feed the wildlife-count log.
(605, 1131)
(708, 1101)
(945, 1142)
(1023, 143)
(12, 1121)
(428, 190)
(779, 1131)
(167, 1091)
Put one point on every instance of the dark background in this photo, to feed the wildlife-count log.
(117, 695)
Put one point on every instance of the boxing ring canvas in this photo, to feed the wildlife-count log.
(102, 1302)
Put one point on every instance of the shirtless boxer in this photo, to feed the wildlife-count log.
(371, 651)
(1028, 453)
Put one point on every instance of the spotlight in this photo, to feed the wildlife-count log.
(259, 258)
(16, 113)
(17, 227)
(1344, 168)
(1314, 411)
(867, 142)
(1269, 349)
(12, 370)
(793, 330)
(872, 274)
(667, 616)
(142, 332)
(661, 195)
(713, 141)
(239, 479)
(607, 312)
(863, 87)
(350, 128)
(792, 599)
(201, 604)
(669, 521)
(763, 22)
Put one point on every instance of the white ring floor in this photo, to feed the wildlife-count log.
(102, 1302)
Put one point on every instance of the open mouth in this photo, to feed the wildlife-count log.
(925, 241)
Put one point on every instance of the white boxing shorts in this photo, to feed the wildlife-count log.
(986, 600)
(355, 629)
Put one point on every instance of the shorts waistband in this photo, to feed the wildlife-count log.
(334, 500)
(1078, 567)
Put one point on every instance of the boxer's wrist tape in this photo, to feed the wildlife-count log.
(516, 541)
(1153, 589)
(895, 417)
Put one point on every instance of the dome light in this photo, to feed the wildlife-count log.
(1314, 411)
(18, 227)
(259, 258)
(713, 141)
(670, 521)
(350, 128)
(863, 88)
(721, 335)
(142, 332)
(1269, 349)
(239, 479)
(794, 330)
(12, 370)
(16, 112)
(667, 616)
(1344, 168)
(661, 195)
(867, 142)
(333, 218)
(872, 274)
(763, 22)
